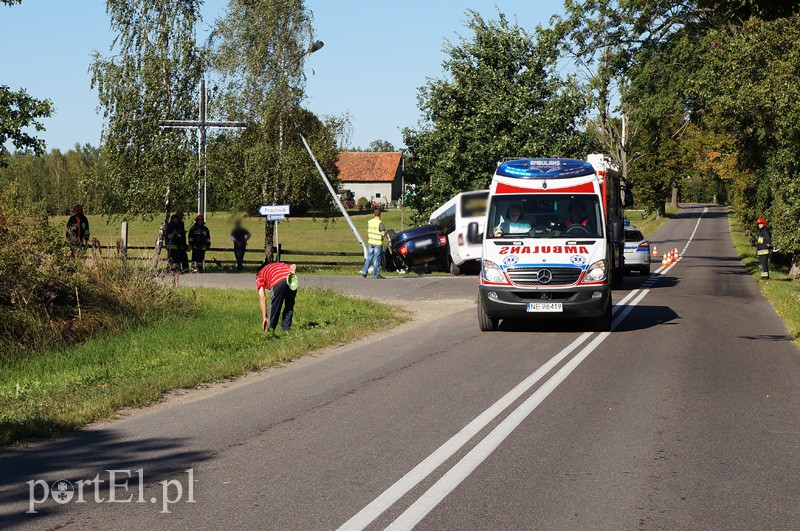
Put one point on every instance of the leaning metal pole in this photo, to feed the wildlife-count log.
(333, 194)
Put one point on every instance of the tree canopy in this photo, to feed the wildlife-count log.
(502, 96)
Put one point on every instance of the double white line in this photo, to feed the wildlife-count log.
(461, 470)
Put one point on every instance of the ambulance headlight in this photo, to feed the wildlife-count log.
(492, 272)
(596, 272)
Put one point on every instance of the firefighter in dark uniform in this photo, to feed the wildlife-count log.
(199, 241)
(763, 247)
(176, 243)
(77, 228)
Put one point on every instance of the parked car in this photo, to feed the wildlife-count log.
(421, 248)
(637, 251)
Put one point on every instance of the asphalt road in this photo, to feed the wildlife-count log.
(684, 416)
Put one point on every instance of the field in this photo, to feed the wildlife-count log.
(294, 234)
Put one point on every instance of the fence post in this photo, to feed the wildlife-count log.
(124, 238)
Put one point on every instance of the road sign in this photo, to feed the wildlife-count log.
(266, 210)
(275, 217)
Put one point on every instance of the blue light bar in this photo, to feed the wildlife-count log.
(544, 168)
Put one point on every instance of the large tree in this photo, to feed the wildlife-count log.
(502, 95)
(151, 74)
(19, 111)
(259, 49)
(706, 79)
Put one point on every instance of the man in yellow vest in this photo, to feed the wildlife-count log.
(375, 234)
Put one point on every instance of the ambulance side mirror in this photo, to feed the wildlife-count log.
(472, 233)
(628, 199)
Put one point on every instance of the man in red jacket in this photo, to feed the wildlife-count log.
(275, 278)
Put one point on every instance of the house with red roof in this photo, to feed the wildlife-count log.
(374, 175)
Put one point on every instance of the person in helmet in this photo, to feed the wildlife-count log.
(199, 241)
(78, 228)
(176, 243)
(763, 247)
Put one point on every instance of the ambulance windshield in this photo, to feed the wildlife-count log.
(566, 216)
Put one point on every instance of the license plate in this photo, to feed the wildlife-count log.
(423, 244)
(631, 250)
(545, 307)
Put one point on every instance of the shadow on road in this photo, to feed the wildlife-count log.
(87, 453)
(643, 317)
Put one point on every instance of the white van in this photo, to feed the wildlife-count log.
(454, 217)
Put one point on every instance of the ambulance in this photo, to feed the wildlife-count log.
(553, 241)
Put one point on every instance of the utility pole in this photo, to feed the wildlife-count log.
(201, 125)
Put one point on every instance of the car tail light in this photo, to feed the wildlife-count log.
(403, 249)
(460, 240)
(644, 245)
(443, 240)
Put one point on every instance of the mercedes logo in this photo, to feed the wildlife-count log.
(544, 276)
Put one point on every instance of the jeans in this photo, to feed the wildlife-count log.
(238, 253)
(281, 295)
(373, 255)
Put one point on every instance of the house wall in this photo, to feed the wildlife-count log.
(369, 190)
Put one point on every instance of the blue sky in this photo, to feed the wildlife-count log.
(377, 54)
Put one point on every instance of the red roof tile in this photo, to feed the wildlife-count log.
(368, 166)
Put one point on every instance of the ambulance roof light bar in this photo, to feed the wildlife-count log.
(552, 168)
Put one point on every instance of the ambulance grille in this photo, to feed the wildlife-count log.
(532, 276)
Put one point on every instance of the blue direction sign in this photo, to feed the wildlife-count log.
(275, 217)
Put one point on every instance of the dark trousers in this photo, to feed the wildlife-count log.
(198, 257)
(238, 253)
(179, 258)
(281, 296)
(763, 265)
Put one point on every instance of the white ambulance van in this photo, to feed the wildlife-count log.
(552, 241)
(454, 217)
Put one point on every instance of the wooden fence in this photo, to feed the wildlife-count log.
(279, 255)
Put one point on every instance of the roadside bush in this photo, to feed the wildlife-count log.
(49, 299)
(362, 203)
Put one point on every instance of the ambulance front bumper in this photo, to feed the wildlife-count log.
(514, 302)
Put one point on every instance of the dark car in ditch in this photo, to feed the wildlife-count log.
(421, 248)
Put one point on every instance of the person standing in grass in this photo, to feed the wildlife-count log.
(176, 243)
(376, 231)
(77, 228)
(199, 241)
(763, 247)
(277, 278)
(239, 236)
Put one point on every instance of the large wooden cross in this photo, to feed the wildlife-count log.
(201, 125)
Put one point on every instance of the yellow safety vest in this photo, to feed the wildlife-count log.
(373, 232)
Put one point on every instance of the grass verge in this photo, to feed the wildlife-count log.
(782, 292)
(63, 390)
(650, 224)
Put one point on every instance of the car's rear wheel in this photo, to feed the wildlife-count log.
(454, 269)
(645, 270)
(486, 323)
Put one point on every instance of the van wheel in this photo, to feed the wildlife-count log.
(454, 269)
(486, 323)
(603, 323)
(645, 270)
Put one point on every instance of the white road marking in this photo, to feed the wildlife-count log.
(435, 494)
(447, 483)
(449, 448)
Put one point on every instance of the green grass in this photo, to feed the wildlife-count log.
(64, 390)
(782, 292)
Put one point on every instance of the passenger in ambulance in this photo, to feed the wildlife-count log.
(513, 224)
